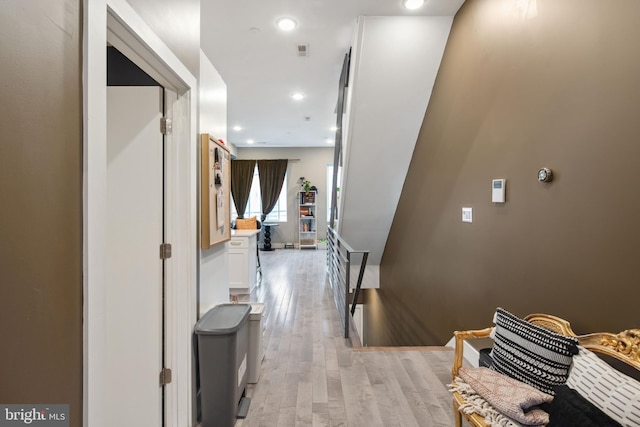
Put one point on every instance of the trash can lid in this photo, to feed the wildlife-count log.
(257, 310)
(223, 319)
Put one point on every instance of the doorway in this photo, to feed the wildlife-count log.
(126, 31)
(139, 113)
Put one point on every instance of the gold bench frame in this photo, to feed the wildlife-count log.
(624, 346)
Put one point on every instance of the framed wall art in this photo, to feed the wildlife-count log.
(215, 184)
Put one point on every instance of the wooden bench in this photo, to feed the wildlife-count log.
(624, 347)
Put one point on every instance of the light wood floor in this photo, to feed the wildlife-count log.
(312, 377)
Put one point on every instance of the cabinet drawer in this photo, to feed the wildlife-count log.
(238, 242)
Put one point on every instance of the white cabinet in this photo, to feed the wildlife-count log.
(307, 221)
(243, 260)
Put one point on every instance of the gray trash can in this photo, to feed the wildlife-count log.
(223, 338)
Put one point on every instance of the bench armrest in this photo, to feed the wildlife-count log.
(461, 337)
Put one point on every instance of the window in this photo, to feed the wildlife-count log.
(254, 204)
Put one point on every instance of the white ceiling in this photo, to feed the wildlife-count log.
(261, 66)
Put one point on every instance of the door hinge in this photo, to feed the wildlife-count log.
(165, 126)
(165, 251)
(165, 376)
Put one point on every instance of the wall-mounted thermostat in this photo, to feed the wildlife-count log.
(498, 190)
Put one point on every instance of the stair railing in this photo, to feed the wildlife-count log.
(339, 259)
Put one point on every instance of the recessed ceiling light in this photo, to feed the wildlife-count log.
(297, 96)
(334, 128)
(250, 141)
(286, 24)
(413, 4)
(237, 128)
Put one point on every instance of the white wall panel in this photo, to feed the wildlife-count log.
(394, 65)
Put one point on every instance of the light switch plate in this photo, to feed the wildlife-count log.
(467, 214)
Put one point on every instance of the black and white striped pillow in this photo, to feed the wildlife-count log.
(614, 393)
(530, 353)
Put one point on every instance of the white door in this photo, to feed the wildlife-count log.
(134, 268)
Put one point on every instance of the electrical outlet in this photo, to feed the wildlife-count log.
(467, 214)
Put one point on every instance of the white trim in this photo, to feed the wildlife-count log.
(132, 36)
(471, 354)
(358, 321)
(94, 76)
(115, 21)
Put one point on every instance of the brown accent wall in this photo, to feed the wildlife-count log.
(41, 200)
(553, 84)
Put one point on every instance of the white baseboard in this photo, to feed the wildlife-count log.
(471, 355)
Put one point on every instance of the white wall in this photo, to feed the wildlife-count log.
(313, 166)
(213, 100)
(394, 64)
(214, 262)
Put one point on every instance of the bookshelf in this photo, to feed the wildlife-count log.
(307, 220)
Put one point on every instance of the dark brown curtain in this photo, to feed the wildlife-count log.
(241, 179)
(271, 174)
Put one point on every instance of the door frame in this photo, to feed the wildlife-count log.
(115, 22)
